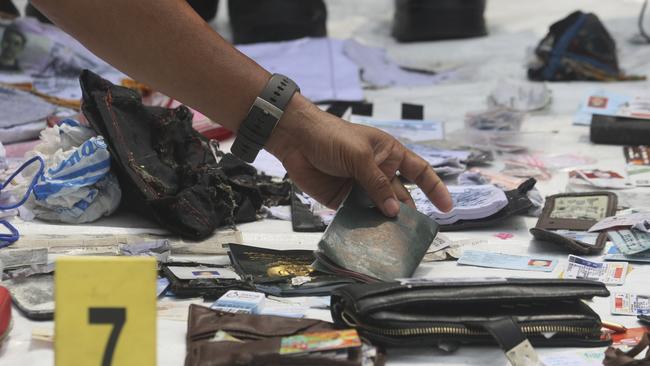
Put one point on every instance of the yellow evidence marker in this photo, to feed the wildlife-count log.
(105, 311)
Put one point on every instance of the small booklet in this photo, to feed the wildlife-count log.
(361, 240)
(470, 203)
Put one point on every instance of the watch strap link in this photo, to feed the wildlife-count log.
(263, 116)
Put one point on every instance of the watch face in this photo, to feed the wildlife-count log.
(592, 208)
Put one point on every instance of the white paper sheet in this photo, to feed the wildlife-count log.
(318, 65)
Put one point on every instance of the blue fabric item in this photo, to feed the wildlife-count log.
(560, 47)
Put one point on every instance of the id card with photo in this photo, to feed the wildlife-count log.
(195, 273)
(630, 304)
(506, 261)
(611, 273)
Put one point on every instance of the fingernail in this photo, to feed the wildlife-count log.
(391, 207)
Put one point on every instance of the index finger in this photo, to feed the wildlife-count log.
(418, 171)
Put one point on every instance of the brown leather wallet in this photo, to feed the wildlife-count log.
(260, 339)
(574, 212)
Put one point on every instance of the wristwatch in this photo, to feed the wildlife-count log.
(263, 116)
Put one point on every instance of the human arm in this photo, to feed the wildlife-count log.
(166, 45)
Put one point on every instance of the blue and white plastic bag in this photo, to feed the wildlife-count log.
(76, 186)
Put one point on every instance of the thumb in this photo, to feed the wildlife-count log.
(378, 186)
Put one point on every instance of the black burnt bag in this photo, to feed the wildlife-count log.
(255, 21)
(577, 47)
(429, 20)
(167, 170)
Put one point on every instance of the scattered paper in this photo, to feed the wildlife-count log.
(630, 338)
(434, 155)
(612, 273)
(318, 65)
(454, 249)
(599, 179)
(630, 304)
(494, 122)
(544, 163)
(613, 254)
(19, 107)
(379, 71)
(278, 212)
(581, 236)
(269, 164)
(325, 213)
(43, 334)
(630, 219)
(162, 284)
(638, 164)
(630, 241)
(470, 203)
(480, 258)
(405, 129)
(439, 243)
(637, 107)
(176, 309)
(306, 302)
(519, 95)
(444, 162)
(221, 336)
(575, 358)
(599, 102)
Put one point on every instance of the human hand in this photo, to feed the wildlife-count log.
(324, 155)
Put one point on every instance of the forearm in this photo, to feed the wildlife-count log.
(166, 45)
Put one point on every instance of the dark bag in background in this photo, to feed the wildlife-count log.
(429, 20)
(513, 312)
(8, 9)
(167, 170)
(619, 130)
(578, 47)
(207, 9)
(255, 21)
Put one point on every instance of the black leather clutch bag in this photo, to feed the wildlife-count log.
(512, 312)
(619, 130)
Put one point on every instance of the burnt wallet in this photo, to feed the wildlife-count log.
(259, 339)
(575, 212)
(514, 312)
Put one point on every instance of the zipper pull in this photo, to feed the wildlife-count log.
(523, 354)
(514, 343)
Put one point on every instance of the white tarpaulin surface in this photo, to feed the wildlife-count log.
(514, 26)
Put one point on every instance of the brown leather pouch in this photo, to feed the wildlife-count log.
(260, 339)
(575, 212)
